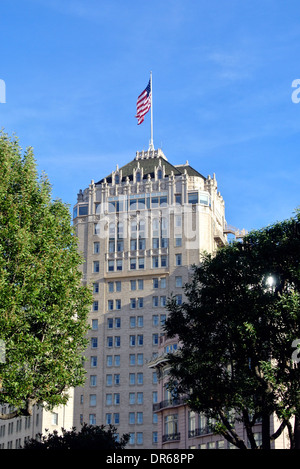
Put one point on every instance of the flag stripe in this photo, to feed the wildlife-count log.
(143, 103)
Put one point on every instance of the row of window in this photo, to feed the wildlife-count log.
(115, 341)
(138, 284)
(134, 321)
(142, 202)
(135, 438)
(136, 263)
(135, 303)
(134, 379)
(137, 244)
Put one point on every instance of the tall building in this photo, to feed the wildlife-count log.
(140, 229)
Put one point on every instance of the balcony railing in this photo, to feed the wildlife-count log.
(169, 403)
(200, 431)
(171, 437)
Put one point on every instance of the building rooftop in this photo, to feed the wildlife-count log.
(147, 161)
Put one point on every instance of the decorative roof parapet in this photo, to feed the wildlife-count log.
(142, 155)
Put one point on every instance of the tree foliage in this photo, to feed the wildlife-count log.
(43, 307)
(90, 437)
(237, 331)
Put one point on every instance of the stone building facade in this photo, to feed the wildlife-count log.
(139, 229)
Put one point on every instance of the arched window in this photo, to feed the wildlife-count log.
(159, 174)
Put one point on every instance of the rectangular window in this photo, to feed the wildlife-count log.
(119, 264)
(140, 302)
(95, 306)
(139, 418)
(117, 341)
(164, 261)
(155, 339)
(96, 247)
(118, 286)
(141, 263)
(178, 281)
(110, 287)
(133, 263)
(193, 197)
(109, 360)
(96, 267)
(155, 262)
(155, 301)
(120, 246)
(131, 379)
(155, 283)
(93, 362)
(118, 304)
(140, 378)
(132, 322)
(94, 342)
(178, 241)
(111, 266)
(110, 342)
(132, 340)
(132, 303)
(110, 323)
(140, 321)
(95, 288)
(178, 259)
(93, 380)
(133, 245)
(117, 359)
(110, 305)
(163, 301)
(140, 358)
(142, 244)
(108, 380)
(117, 323)
(94, 324)
(178, 199)
(155, 320)
(133, 285)
(155, 243)
(141, 284)
(140, 340)
(132, 359)
(178, 299)
(93, 400)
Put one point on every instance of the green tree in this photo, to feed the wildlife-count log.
(237, 330)
(90, 437)
(43, 307)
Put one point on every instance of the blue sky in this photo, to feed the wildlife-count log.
(222, 87)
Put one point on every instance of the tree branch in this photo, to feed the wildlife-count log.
(26, 411)
(231, 434)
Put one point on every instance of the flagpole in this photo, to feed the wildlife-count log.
(151, 146)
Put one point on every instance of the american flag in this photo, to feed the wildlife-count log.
(143, 103)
